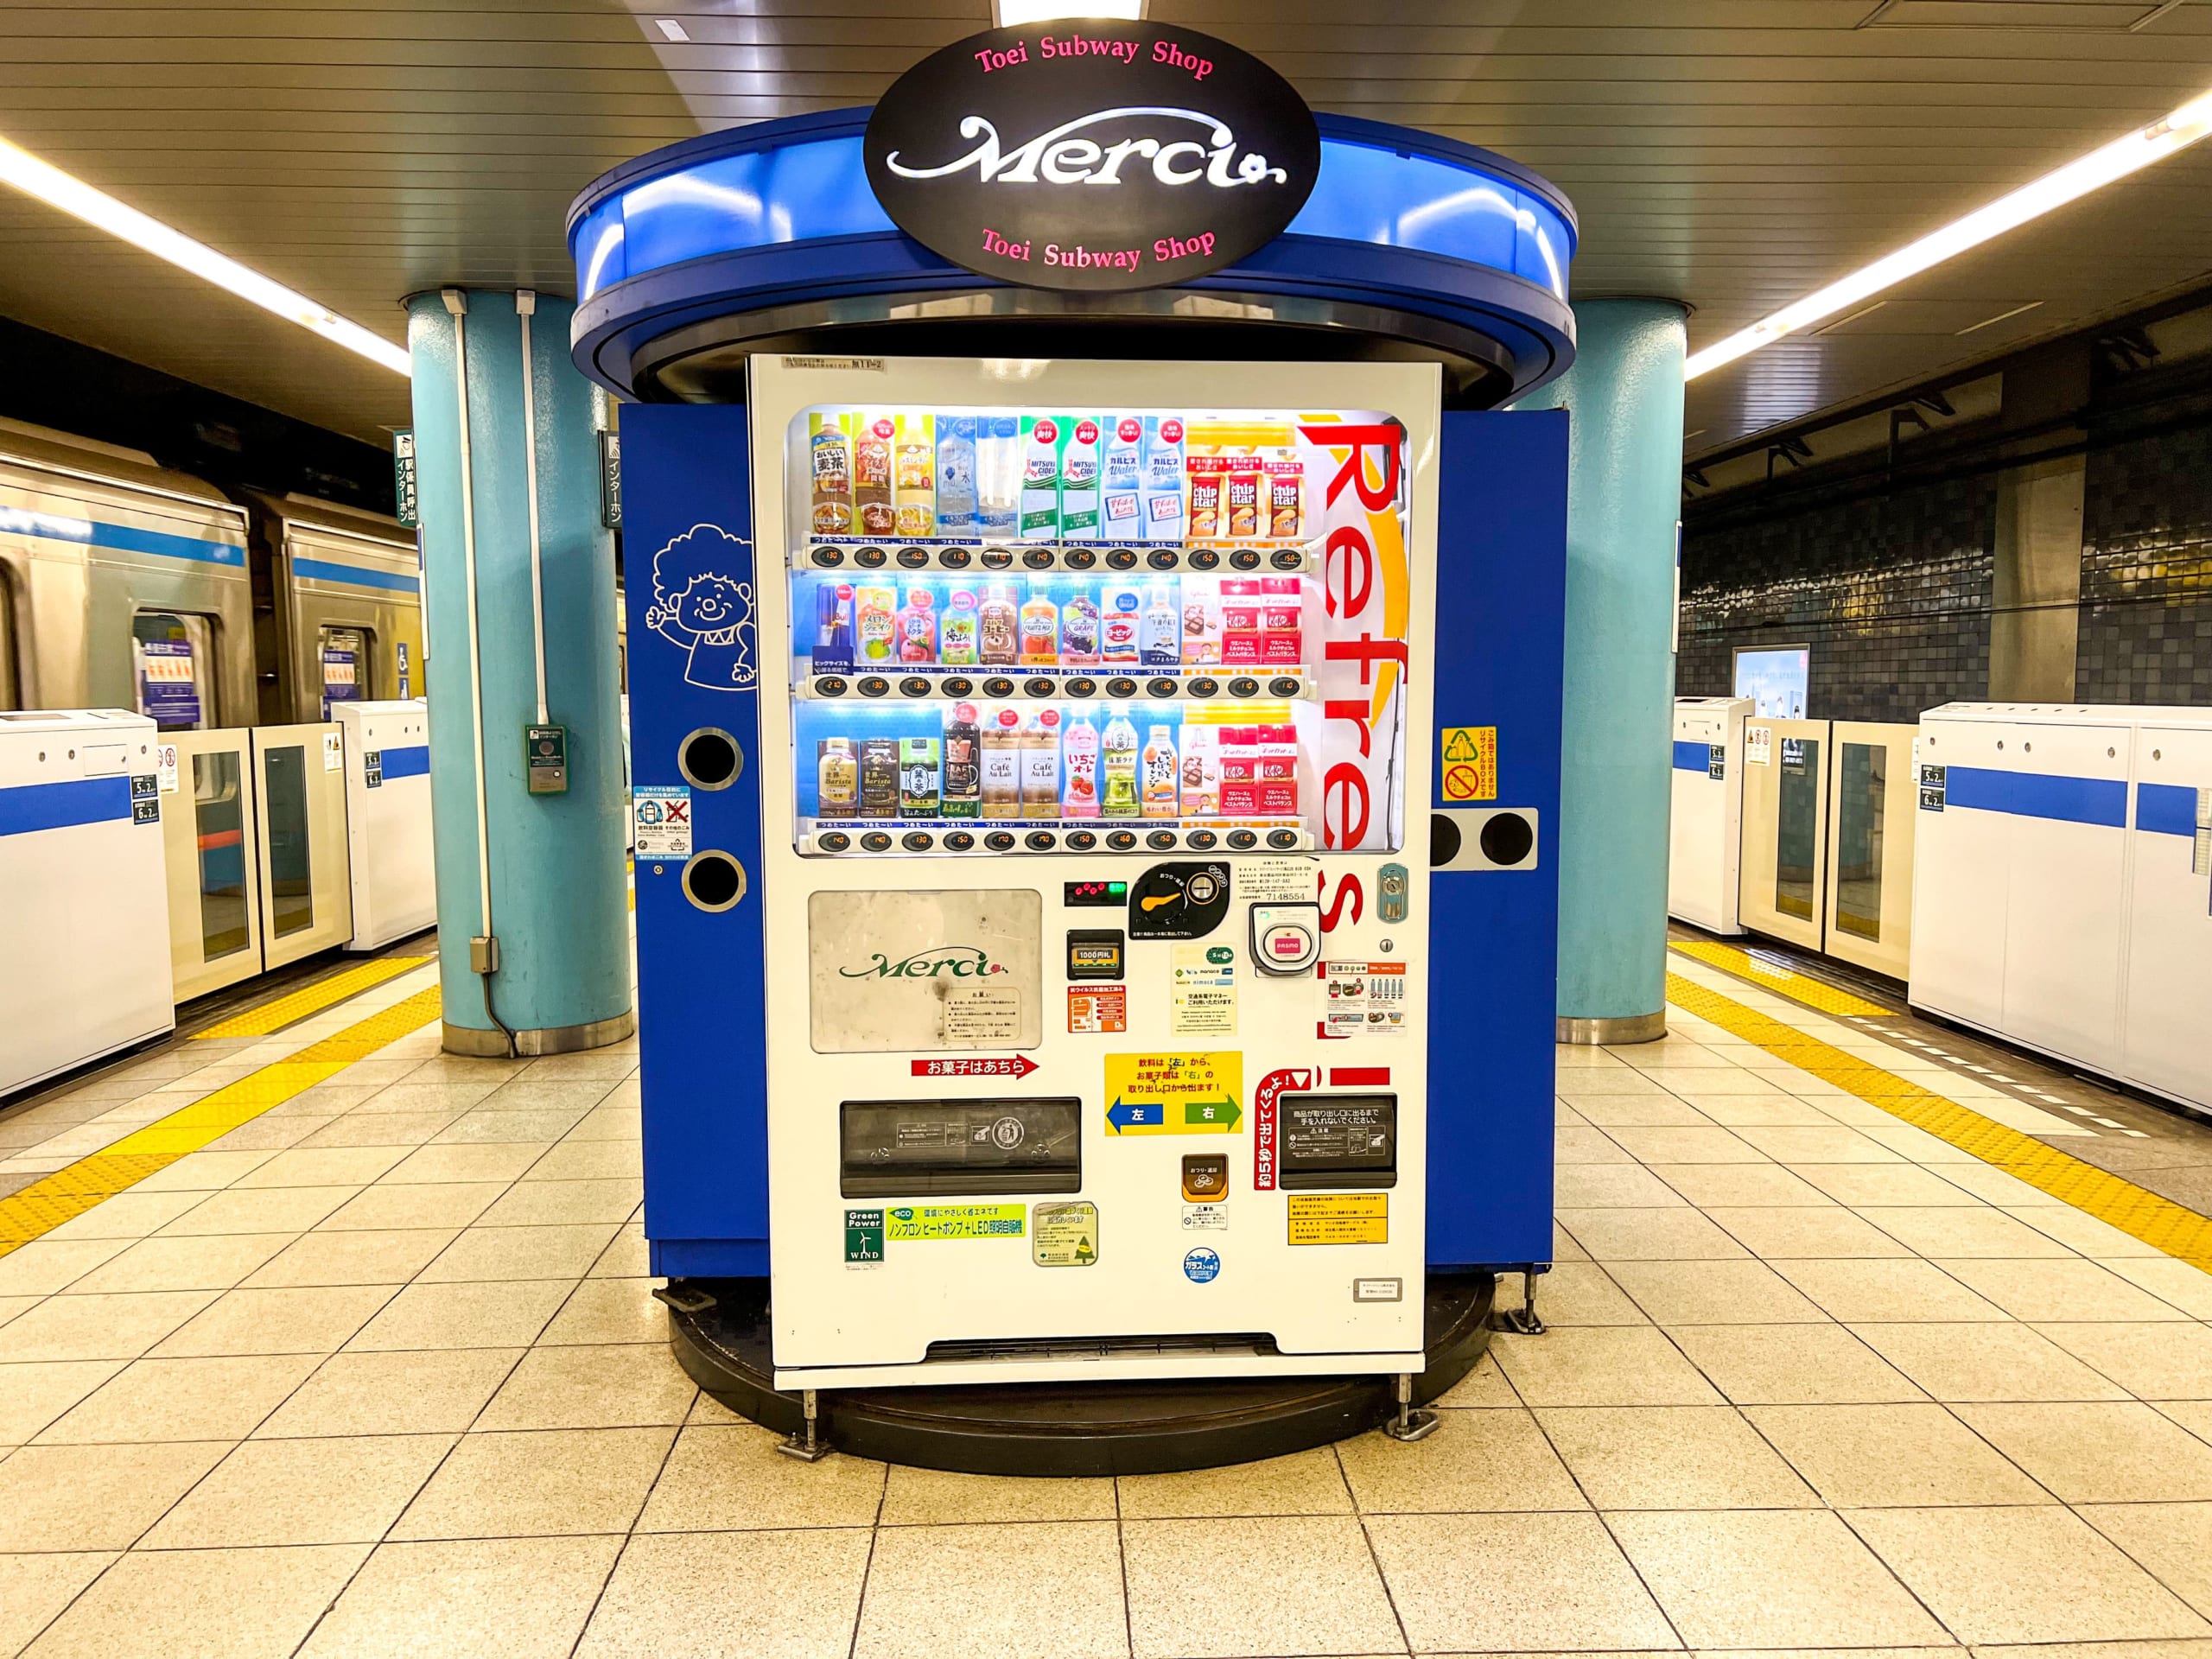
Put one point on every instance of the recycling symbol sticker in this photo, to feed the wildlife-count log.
(1470, 768)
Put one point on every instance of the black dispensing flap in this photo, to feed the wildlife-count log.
(1339, 1140)
(918, 1148)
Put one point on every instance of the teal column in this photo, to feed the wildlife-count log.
(504, 423)
(1624, 500)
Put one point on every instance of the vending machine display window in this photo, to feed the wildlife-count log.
(1030, 630)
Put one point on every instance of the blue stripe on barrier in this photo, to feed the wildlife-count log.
(410, 762)
(62, 806)
(360, 576)
(120, 538)
(1692, 757)
(2165, 809)
(2038, 795)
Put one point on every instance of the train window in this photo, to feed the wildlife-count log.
(284, 810)
(219, 813)
(348, 666)
(173, 654)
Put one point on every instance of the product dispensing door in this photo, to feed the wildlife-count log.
(300, 779)
(1784, 870)
(211, 848)
(1871, 796)
(1060, 829)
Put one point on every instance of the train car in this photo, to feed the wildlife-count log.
(122, 585)
(339, 607)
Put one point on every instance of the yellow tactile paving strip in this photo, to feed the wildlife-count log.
(1799, 988)
(275, 1015)
(40, 1207)
(2144, 1215)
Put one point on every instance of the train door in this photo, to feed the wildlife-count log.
(348, 656)
(1871, 801)
(306, 898)
(173, 670)
(211, 850)
(1783, 872)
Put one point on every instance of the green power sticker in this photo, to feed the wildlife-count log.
(927, 1221)
(1064, 1235)
(863, 1237)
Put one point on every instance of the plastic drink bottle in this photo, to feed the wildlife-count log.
(1201, 771)
(956, 634)
(1040, 766)
(1079, 769)
(838, 779)
(964, 762)
(1159, 637)
(996, 628)
(1117, 764)
(1079, 631)
(1118, 623)
(1040, 631)
(1162, 783)
(875, 623)
(1001, 789)
(917, 628)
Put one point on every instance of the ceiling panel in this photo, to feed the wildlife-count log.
(1733, 154)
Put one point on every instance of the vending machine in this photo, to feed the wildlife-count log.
(1044, 816)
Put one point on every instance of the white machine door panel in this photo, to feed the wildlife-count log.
(2168, 984)
(1871, 821)
(209, 843)
(1963, 871)
(305, 898)
(2063, 919)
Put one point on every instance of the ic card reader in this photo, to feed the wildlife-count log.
(1286, 938)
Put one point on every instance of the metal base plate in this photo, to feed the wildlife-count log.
(552, 1040)
(1100, 1428)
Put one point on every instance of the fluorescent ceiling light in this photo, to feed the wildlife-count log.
(2069, 183)
(103, 211)
(671, 29)
(1010, 12)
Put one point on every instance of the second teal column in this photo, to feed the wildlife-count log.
(1624, 470)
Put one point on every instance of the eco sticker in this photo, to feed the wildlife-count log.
(1470, 771)
(935, 1221)
(864, 1238)
(663, 818)
(1175, 1094)
(1202, 1266)
(1064, 1235)
(1340, 1217)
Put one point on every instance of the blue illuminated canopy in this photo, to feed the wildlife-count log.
(781, 211)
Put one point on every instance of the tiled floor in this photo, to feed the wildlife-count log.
(380, 1374)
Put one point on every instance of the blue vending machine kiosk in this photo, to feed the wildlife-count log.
(1095, 720)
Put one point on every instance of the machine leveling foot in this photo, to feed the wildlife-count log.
(806, 1444)
(1408, 1424)
(1523, 1320)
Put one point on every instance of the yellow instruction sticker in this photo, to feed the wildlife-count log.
(1340, 1217)
(1470, 772)
(1175, 1093)
(924, 1221)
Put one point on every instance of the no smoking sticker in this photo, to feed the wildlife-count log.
(1470, 768)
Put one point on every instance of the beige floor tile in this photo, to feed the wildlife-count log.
(1650, 1107)
(1706, 1145)
(2186, 1288)
(1892, 1457)
(33, 1588)
(318, 1491)
(1868, 1186)
(1621, 1365)
(181, 1400)
(94, 1497)
(1771, 1580)
(46, 1265)
(1987, 1361)
(1714, 1293)
(463, 1316)
(214, 1263)
(1813, 1144)
(325, 1258)
(412, 1096)
(1571, 1586)
(388, 1206)
(1793, 1364)
(609, 1063)
(323, 1167)
(1478, 1462)
(1614, 1186)
(1049, 1591)
(481, 1125)
(1679, 1234)
(1577, 1292)
(270, 1210)
(1763, 1185)
(203, 1171)
(1673, 1458)
(2028, 1575)
(556, 1481)
(490, 1252)
(2118, 1452)
(2173, 1541)
(1782, 1233)
(537, 1203)
(1994, 1185)
(923, 1498)
(574, 1096)
(1580, 1143)
(722, 1479)
(252, 1604)
(415, 1392)
(478, 1599)
(1485, 1384)
(2194, 1415)
(129, 1215)
(1274, 1585)
(468, 1164)
(2071, 1291)
(34, 1394)
(2085, 1233)
(590, 1161)
(614, 1386)
(1564, 1248)
(398, 1131)
(1303, 1483)
(1870, 1291)
(628, 1257)
(607, 1124)
(1956, 1230)
(1769, 1108)
(732, 1595)
(1918, 1145)
(608, 1311)
(317, 1321)
(2155, 1360)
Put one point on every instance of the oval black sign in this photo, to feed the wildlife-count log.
(1092, 154)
